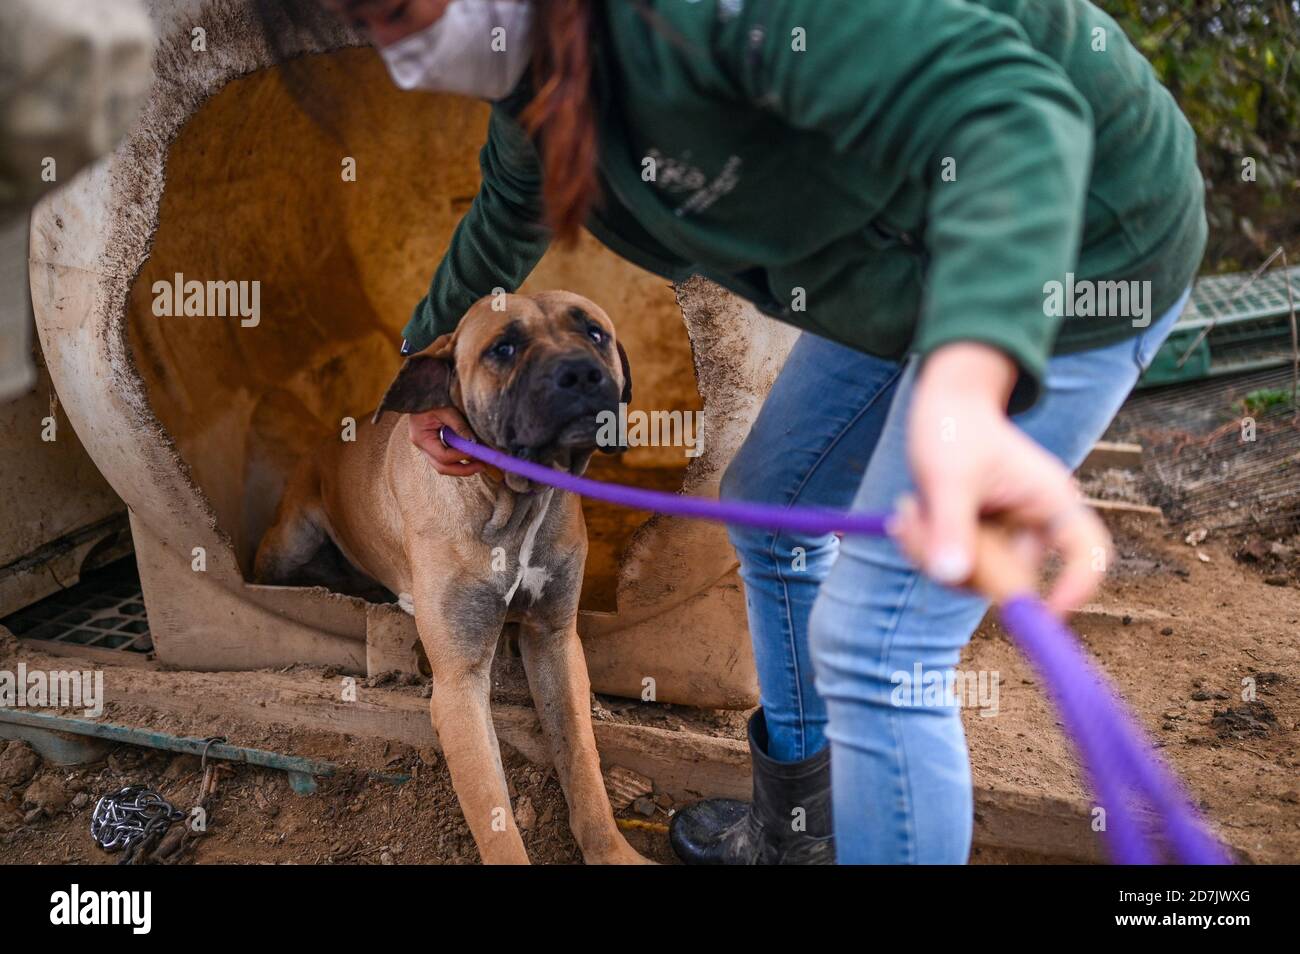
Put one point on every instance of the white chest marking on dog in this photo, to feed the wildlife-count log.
(406, 602)
(531, 578)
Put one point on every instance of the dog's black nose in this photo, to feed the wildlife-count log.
(579, 375)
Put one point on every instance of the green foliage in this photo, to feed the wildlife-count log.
(1261, 400)
(1234, 67)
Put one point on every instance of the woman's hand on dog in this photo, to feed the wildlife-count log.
(424, 435)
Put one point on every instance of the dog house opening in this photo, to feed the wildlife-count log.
(314, 227)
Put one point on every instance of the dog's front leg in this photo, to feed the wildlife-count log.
(461, 708)
(561, 689)
(462, 717)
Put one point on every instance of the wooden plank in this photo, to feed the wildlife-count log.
(1120, 508)
(95, 654)
(391, 641)
(1107, 454)
(1094, 614)
(684, 764)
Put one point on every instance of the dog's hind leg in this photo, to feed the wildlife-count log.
(288, 547)
(296, 535)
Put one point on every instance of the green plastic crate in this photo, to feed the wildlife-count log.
(1249, 332)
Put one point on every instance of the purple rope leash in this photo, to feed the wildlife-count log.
(817, 521)
(1119, 762)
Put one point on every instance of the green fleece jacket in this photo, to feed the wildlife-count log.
(894, 175)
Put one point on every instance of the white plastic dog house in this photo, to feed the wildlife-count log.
(196, 420)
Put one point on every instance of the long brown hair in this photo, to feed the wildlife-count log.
(562, 116)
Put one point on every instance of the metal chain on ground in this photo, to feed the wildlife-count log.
(131, 818)
(171, 854)
(135, 819)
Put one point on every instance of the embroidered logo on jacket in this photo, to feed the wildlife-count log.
(678, 176)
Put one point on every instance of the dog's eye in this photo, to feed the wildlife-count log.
(596, 335)
(502, 350)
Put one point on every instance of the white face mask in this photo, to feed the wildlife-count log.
(477, 48)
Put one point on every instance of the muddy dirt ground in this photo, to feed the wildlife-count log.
(1183, 629)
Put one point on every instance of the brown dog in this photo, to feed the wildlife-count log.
(530, 373)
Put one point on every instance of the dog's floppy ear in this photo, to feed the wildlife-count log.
(624, 398)
(422, 383)
(627, 374)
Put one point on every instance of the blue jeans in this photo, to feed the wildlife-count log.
(855, 612)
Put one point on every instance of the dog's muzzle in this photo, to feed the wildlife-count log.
(557, 407)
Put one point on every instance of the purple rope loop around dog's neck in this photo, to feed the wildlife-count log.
(1121, 765)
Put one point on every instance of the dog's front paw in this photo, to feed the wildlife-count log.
(620, 853)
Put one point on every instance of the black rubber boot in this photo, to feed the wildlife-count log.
(723, 831)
